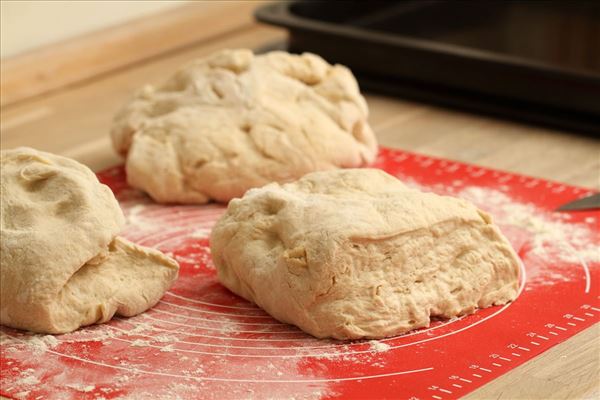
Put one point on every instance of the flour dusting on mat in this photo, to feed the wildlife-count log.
(35, 343)
(552, 233)
(546, 239)
(201, 233)
(169, 348)
(140, 343)
(27, 378)
(378, 346)
(80, 387)
(201, 341)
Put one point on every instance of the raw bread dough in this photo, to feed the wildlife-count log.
(235, 120)
(61, 265)
(354, 253)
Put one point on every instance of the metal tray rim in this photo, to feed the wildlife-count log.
(279, 14)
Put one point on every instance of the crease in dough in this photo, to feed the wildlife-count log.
(61, 264)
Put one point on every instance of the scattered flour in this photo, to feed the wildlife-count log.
(98, 335)
(42, 343)
(37, 344)
(81, 388)
(140, 343)
(201, 233)
(135, 219)
(168, 348)
(378, 346)
(27, 378)
(22, 395)
(164, 338)
(140, 327)
(552, 234)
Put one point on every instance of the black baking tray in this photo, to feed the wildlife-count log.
(537, 61)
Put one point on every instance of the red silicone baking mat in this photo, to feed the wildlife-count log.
(201, 341)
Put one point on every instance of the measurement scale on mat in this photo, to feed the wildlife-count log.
(497, 363)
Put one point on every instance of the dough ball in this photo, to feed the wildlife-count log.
(354, 253)
(234, 120)
(61, 266)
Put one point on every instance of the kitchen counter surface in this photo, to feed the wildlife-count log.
(74, 121)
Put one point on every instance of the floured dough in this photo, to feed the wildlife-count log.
(61, 265)
(235, 120)
(354, 253)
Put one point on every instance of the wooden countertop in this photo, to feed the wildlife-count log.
(74, 120)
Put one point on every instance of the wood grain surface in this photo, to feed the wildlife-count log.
(74, 121)
(66, 63)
